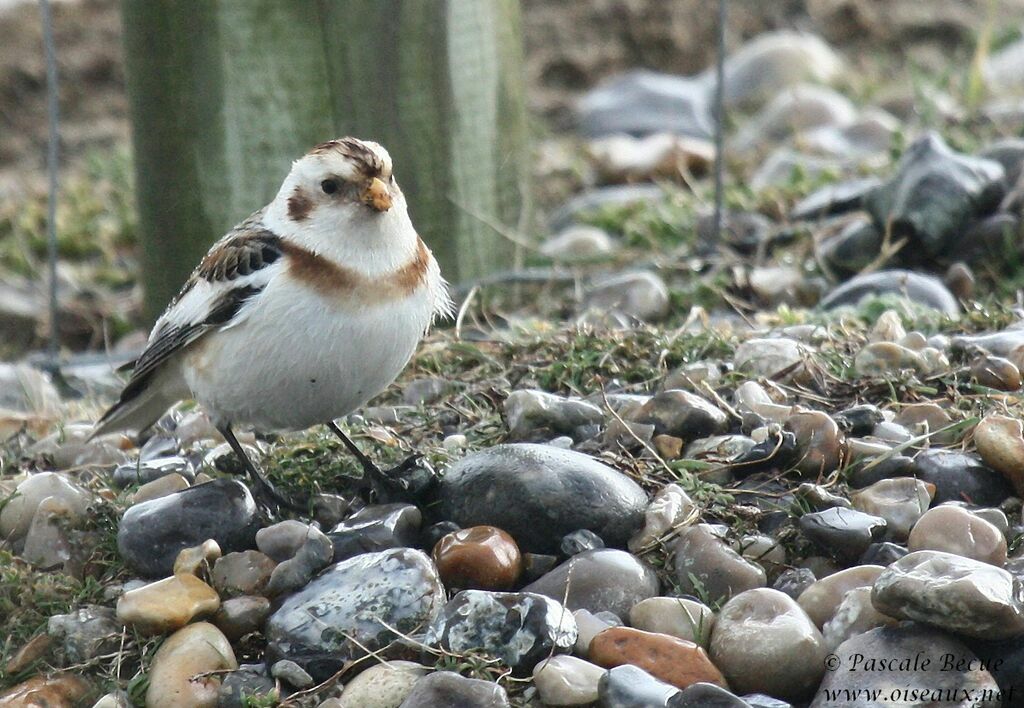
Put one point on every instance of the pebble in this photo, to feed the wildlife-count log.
(161, 487)
(567, 681)
(682, 414)
(242, 573)
(675, 661)
(641, 295)
(822, 599)
(197, 560)
(915, 650)
(249, 685)
(151, 534)
(996, 372)
(900, 501)
(845, 533)
(426, 390)
(578, 242)
(383, 685)
(376, 528)
(675, 616)
(444, 688)
(820, 445)
(1000, 443)
(961, 595)
(793, 581)
(291, 673)
(593, 200)
(239, 616)
(537, 494)
(144, 471)
(955, 530)
(16, 515)
(192, 650)
(59, 691)
(530, 413)
(601, 580)
(356, 597)
(579, 541)
(626, 159)
(708, 695)
(30, 652)
(47, 543)
(763, 641)
(916, 287)
(282, 540)
(85, 633)
(480, 558)
(589, 626)
(961, 477)
(883, 359)
(705, 565)
(521, 629)
(313, 556)
(795, 110)
(780, 359)
(629, 686)
(856, 614)
(670, 507)
(167, 605)
(640, 102)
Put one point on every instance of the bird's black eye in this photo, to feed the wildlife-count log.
(329, 186)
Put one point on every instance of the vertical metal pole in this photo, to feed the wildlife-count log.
(53, 117)
(719, 119)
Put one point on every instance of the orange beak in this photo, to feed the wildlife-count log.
(377, 195)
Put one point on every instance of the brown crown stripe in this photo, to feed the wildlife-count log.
(336, 281)
(299, 205)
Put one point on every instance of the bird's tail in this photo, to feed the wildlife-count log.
(136, 410)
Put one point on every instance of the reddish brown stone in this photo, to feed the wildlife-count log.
(62, 691)
(478, 558)
(673, 660)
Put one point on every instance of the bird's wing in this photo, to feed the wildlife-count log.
(231, 275)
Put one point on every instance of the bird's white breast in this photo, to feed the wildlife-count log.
(298, 358)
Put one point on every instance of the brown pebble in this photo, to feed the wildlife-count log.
(239, 616)
(668, 446)
(821, 443)
(670, 659)
(242, 573)
(1000, 442)
(478, 558)
(996, 372)
(33, 650)
(61, 691)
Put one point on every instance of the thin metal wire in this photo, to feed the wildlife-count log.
(719, 120)
(53, 118)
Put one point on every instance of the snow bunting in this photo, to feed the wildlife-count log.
(301, 313)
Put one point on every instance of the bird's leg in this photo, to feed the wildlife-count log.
(385, 482)
(264, 489)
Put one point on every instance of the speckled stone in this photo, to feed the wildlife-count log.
(957, 594)
(382, 685)
(84, 633)
(721, 571)
(764, 642)
(357, 597)
(599, 580)
(670, 659)
(480, 557)
(519, 628)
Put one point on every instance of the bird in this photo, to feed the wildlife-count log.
(299, 315)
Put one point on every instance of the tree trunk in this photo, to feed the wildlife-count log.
(226, 93)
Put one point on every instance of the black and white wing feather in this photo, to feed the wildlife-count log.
(231, 276)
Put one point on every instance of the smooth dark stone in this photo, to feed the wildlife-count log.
(916, 287)
(852, 248)
(522, 629)
(775, 454)
(604, 579)
(962, 477)
(641, 102)
(537, 564)
(910, 643)
(844, 533)
(430, 535)
(151, 534)
(834, 199)
(375, 528)
(706, 695)
(884, 553)
(858, 421)
(794, 581)
(934, 194)
(765, 491)
(539, 493)
(342, 613)
(579, 541)
(143, 471)
(861, 475)
(313, 556)
(448, 689)
(683, 415)
(629, 686)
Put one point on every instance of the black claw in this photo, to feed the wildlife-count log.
(407, 481)
(265, 492)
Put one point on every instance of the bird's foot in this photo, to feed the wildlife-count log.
(270, 498)
(406, 481)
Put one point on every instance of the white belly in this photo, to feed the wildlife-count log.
(298, 360)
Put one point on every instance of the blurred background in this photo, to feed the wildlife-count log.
(511, 122)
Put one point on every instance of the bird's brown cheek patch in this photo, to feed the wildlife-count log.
(299, 205)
